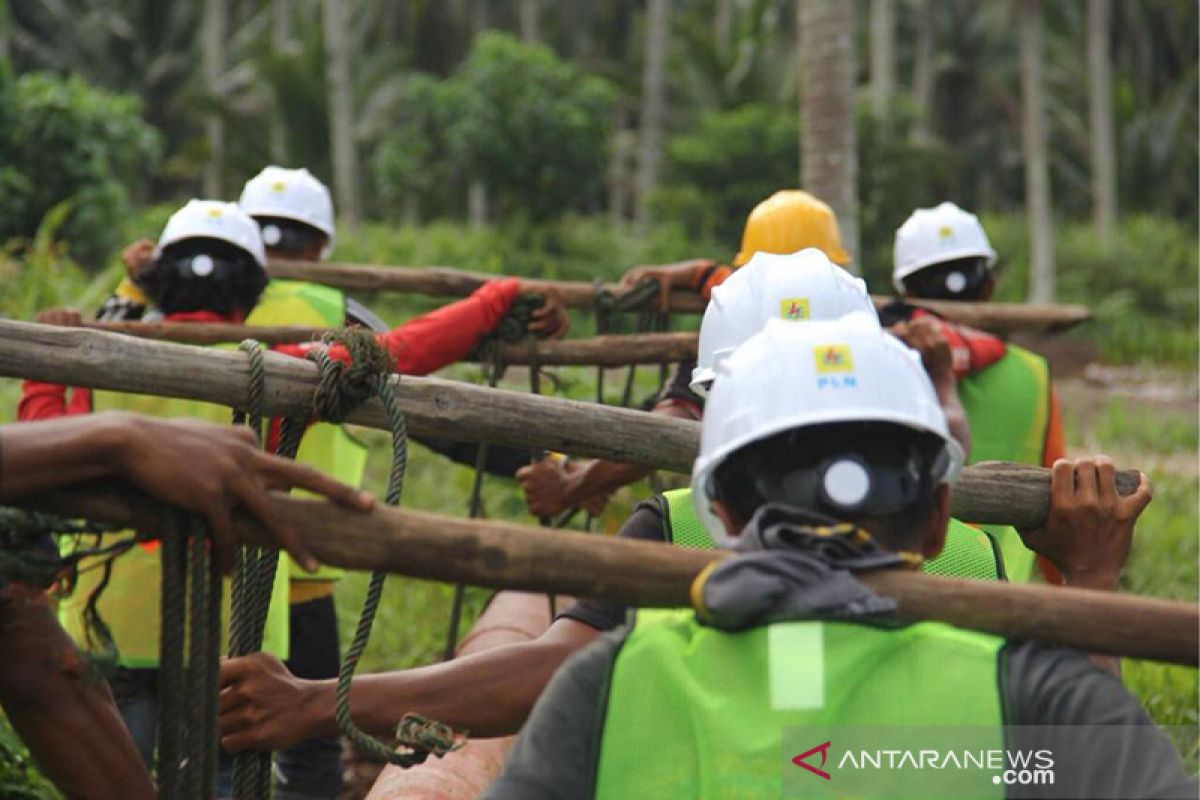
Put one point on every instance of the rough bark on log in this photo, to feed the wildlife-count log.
(605, 351)
(450, 282)
(650, 574)
(1008, 494)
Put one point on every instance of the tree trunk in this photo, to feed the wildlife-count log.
(653, 107)
(281, 34)
(618, 169)
(923, 70)
(1104, 154)
(341, 113)
(479, 16)
(212, 57)
(477, 199)
(723, 26)
(828, 136)
(528, 12)
(883, 55)
(1033, 145)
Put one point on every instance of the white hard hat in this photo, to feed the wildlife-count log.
(795, 376)
(936, 235)
(214, 219)
(290, 194)
(802, 286)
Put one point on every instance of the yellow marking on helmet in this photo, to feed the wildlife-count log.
(945, 232)
(794, 309)
(279, 186)
(215, 212)
(833, 358)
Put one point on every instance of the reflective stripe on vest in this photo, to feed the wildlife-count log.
(968, 553)
(329, 448)
(695, 712)
(129, 605)
(1008, 406)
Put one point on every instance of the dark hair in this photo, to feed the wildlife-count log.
(930, 282)
(764, 472)
(234, 283)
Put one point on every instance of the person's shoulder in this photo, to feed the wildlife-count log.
(646, 521)
(1051, 685)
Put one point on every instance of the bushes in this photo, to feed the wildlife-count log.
(61, 140)
(1142, 290)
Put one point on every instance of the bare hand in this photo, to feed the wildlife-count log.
(1089, 530)
(66, 317)
(212, 469)
(546, 484)
(668, 277)
(137, 256)
(550, 321)
(924, 334)
(261, 704)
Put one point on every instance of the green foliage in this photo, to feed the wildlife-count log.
(64, 141)
(414, 167)
(1142, 289)
(533, 128)
(19, 778)
(725, 165)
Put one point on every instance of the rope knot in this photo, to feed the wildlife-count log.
(427, 737)
(344, 387)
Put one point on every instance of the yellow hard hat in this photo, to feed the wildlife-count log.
(789, 221)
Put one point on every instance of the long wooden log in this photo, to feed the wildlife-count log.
(451, 282)
(602, 351)
(504, 555)
(997, 494)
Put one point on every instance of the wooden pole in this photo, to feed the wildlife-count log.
(604, 351)
(503, 555)
(450, 282)
(1007, 494)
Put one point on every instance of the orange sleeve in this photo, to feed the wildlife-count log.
(1056, 442)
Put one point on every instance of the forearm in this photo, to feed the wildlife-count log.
(956, 415)
(487, 694)
(68, 720)
(600, 477)
(36, 456)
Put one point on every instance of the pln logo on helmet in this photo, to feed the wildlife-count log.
(835, 366)
(794, 309)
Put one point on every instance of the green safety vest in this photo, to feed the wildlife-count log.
(1008, 406)
(131, 599)
(692, 711)
(329, 448)
(968, 552)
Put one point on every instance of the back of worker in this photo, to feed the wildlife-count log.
(943, 253)
(810, 481)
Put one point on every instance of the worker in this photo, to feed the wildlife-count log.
(809, 479)
(68, 719)
(490, 693)
(943, 253)
(786, 222)
(210, 266)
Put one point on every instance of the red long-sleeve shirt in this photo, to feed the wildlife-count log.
(420, 346)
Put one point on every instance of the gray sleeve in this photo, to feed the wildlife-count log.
(556, 754)
(1104, 743)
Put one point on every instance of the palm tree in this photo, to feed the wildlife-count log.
(653, 107)
(828, 137)
(883, 55)
(1033, 146)
(341, 113)
(1104, 154)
